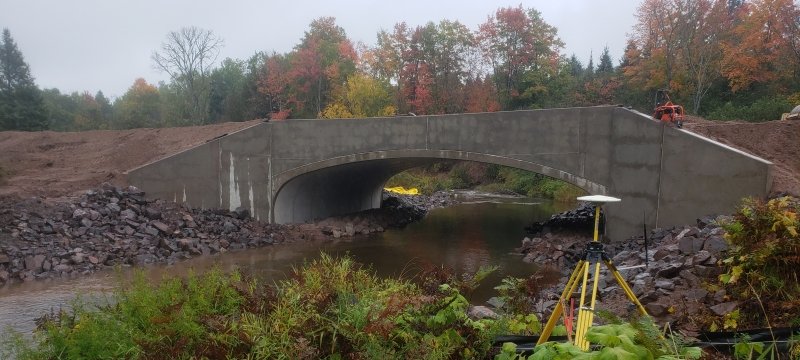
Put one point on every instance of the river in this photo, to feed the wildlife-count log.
(483, 230)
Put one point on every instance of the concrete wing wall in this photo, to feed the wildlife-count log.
(670, 176)
(700, 177)
(228, 172)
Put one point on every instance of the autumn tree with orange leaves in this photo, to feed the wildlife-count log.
(763, 46)
(523, 50)
(695, 47)
(319, 67)
(139, 107)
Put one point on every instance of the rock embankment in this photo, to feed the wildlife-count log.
(578, 220)
(680, 280)
(675, 284)
(112, 226)
(119, 227)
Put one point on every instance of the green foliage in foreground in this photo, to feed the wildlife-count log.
(633, 341)
(330, 308)
(765, 248)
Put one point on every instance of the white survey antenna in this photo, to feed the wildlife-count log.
(599, 199)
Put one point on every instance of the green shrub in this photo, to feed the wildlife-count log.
(459, 177)
(176, 319)
(568, 192)
(764, 109)
(518, 181)
(765, 250)
(328, 308)
(492, 172)
(762, 262)
(340, 309)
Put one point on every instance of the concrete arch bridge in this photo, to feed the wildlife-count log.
(299, 170)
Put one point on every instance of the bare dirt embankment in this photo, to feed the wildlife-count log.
(54, 164)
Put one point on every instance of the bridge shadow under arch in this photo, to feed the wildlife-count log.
(352, 183)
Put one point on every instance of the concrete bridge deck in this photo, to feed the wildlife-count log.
(299, 170)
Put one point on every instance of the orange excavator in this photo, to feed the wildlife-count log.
(666, 111)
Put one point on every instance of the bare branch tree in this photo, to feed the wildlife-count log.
(187, 56)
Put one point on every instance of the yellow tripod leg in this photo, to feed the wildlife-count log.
(627, 289)
(569, 288)
(589, 318)
(580, 329)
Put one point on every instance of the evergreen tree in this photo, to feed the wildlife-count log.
(105, 108)
(605, 67)
(575, 66)
(21, 104)
(589, 72)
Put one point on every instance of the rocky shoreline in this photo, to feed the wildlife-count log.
(669, 284)
(112, 226)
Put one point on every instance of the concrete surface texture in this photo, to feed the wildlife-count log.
(300, 170)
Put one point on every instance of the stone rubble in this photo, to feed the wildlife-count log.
(118, 227)
(110, 227)
(580, 219)
(682, 261)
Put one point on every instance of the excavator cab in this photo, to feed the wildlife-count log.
(666, 111)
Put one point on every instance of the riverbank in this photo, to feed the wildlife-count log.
(111, 226)
(678, 260)
(328, 308)
(680, 249)
(726, 272)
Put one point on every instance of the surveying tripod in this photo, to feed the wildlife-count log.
(592, 255)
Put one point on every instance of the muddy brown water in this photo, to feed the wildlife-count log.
(481, 231)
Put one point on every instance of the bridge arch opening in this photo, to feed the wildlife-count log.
(353, 183)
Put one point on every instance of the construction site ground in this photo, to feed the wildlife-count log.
(54, 164)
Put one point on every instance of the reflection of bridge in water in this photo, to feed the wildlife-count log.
(298, 170)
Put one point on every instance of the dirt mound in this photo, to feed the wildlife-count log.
(53, 164)
(776, 141)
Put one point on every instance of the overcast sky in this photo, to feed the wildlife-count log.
(104, 45)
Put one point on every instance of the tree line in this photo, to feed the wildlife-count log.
(722, 59)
